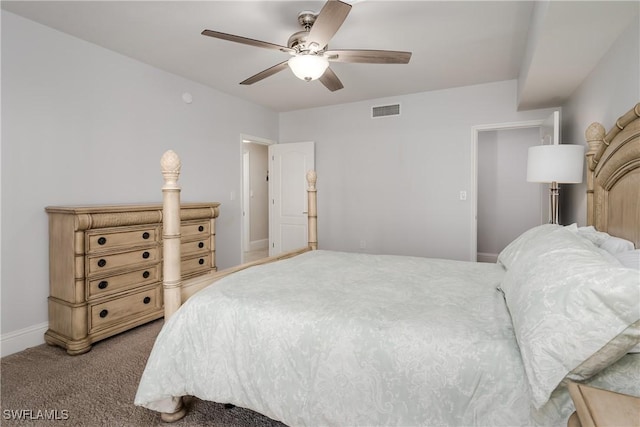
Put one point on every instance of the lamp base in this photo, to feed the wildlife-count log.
(554, 192)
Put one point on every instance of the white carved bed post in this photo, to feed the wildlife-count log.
(312, 215)
(170, 163)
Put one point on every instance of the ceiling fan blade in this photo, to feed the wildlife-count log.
(369, 56)
(330, 80)
(246, 40)
(328, 22)
(265, 73)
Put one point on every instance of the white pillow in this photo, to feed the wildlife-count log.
(593, 235)
(510, 255)
(572, 227)
(603, 240)
(574, 309)
(629, 259)
(615, 245)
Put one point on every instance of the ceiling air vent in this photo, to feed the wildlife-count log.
(385, 111)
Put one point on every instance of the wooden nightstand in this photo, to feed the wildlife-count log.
(596, 407)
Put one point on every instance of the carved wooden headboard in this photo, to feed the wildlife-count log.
(613, 177)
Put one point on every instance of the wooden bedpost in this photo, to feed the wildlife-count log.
(170, 163)
(312, 215)
(595, 139)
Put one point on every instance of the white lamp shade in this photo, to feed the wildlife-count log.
(308, 67)
(560, 163)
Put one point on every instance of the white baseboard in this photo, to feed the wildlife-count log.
(256, 245)
(487, 257)
(22, 339)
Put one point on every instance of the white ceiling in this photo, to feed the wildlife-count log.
(549, 46)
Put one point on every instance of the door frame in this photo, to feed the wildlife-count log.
(475, 130)
(245, 211)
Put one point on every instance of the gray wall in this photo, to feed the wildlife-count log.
(611, 89)
(84, 125)
(394, 182)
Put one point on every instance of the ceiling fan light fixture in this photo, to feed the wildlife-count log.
(310, 57)
(308, 67)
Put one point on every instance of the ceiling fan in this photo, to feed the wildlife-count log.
(309, 51)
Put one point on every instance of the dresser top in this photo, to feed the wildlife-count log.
(89, 209)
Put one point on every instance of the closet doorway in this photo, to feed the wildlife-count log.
(504, 203)
(255, 198)
(507, 204)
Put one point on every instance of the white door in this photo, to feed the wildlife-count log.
(549, 135)
(288, 166)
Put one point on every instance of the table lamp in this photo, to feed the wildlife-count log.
(555, 164)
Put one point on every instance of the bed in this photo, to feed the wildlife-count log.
(330, 338)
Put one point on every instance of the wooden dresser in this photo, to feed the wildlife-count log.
(105, 267)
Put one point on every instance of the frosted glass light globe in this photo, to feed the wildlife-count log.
(308, 67)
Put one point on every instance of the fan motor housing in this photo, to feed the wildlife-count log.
(298, 41)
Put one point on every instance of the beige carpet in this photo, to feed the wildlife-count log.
(97, 388)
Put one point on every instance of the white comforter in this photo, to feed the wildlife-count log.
(330, 338)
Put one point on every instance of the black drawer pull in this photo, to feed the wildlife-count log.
(201, 261)
(103, 284)
(201, 228)
(145, 274)
(104, 313)
(201, 245)
(145, 235)
(102, 262)
(102, 240)
(145, 255)
(146, 300)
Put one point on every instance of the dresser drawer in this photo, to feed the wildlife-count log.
(199, 228)
(120, 282)
(105, 239)
(190, 265)
(104, 263)
(129, 306)
(195, 246)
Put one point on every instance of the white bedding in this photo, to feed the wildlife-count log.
(355, 343)
(411, 349)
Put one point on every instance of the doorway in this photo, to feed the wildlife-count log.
(507, 204)
(255, 198)
(542, 128)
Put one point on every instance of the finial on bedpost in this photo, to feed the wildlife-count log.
(170, 164)
(595, 138)
(312, 215)
(594, 135)
(312, 177)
